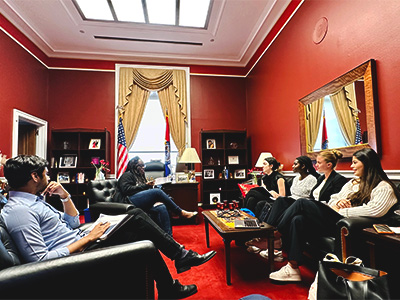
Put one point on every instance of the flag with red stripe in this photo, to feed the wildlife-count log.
(167, 148)
(324, 134)
(122, 160)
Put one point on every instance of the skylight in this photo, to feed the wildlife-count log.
(186, 13)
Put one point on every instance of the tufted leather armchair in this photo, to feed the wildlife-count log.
(117, 272)
(100, 193)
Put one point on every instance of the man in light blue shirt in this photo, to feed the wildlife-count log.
(41, 232)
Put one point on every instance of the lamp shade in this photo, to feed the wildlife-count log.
(190, 156)
(263, 155)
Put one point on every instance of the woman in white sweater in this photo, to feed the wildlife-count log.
(370, 194)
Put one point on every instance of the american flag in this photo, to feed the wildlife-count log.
(358, 139)
(122, 151)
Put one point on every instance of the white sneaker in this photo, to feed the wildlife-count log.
(286, 273)
(278, 257)
(253, 249)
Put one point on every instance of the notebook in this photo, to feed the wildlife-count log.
(247, 224)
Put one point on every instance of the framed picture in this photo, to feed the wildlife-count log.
(211, 144)
(233, 160)
(68, 161)
(181, 177)
(215, 198)
(95, 144)
(240, 174)
(63, 177)
(208, 174)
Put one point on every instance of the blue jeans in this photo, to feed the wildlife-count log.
(146, 200)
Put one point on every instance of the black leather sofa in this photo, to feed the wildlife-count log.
(118, 272)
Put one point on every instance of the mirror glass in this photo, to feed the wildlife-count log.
(341, 114)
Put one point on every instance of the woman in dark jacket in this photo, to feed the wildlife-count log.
(134, 188)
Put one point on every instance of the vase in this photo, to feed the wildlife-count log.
(99, 175)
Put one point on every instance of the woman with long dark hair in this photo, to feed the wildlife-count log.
(133, 187)
(369, 194)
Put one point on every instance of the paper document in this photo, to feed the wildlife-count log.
(115, 221)
(161, 180)
(396, 230)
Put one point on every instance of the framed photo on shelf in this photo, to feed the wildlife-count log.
(63, 177)
(240, 174)
(95, 144)
(233, 160)
(68, 161)
(181, 177)
(215, 198)
(211, 144)
(208, 173)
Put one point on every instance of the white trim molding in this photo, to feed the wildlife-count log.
(392, 174)
(41, 138)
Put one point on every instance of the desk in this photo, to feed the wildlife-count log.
(229, 234)
(184, 195)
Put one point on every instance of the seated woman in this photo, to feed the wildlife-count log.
(272, 182)
(134, 188)
(330, 182)
(301, 187)
(370, 194)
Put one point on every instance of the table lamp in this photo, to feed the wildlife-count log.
(190, 157)
(263, 155)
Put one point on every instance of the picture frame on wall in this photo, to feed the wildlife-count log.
(240, 174)
(208, 174)
(210, 143)
(233, 160)
(95, 144)
(68, 161)
(215, 198)
(63, 177)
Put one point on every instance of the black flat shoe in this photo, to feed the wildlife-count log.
(178, 291)
(192, 259)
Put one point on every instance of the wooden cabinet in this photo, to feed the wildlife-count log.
(71, 154)
(224, 157)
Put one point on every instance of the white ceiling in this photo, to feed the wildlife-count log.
(236, 29)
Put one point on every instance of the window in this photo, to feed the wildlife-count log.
(149, 143)
(187, 13)
(335, 136)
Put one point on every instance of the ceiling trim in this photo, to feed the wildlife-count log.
(53, 63)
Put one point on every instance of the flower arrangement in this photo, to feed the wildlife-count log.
(101, 168)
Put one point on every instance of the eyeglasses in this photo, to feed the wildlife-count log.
(142, 166)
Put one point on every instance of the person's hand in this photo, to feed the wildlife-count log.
(98, 231)
(343, 203)
(55, 188)
(274, 194)
(151, 182)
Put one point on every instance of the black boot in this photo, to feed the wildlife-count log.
(192, 259)
(178, 291)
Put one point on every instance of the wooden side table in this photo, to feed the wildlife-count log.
(184, 195)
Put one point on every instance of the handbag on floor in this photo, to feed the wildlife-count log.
(337, 280)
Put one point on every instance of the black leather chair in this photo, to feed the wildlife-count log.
(100, 193)
(118, 272)
(155, 169)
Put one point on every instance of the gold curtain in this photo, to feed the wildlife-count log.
(345, 106)
(173, 99)
(134, 90)
(313, 121)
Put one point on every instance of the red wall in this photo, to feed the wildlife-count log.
(23, 85)
(294, 66)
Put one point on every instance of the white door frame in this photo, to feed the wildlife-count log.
(41, 137)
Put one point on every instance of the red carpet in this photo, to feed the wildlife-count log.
(249, 275)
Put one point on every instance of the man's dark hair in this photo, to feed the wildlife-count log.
(18, 170)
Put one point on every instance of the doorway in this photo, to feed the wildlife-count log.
(29, 135)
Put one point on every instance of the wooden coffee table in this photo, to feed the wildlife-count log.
(229, 234)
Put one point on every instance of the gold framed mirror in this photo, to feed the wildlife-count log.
(354, 98)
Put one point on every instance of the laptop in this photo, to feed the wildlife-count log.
(247, 224)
